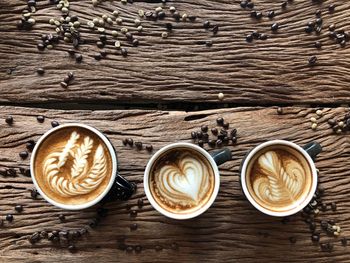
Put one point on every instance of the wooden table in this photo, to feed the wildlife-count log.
(164, 89)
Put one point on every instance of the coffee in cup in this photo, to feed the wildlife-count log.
(279, 177)
(182, 180)
(74, 166)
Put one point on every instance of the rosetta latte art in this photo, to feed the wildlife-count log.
(282, 182)
(183, 184)
(82, 178)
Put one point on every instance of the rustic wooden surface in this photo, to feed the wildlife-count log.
(230, 230)
(175, 69)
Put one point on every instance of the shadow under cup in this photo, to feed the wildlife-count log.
(279, 178)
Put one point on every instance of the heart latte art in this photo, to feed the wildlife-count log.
(279, 178)
(181, 181)
(73, 166)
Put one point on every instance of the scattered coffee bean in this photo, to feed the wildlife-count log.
(149, 148)
(138, 145)
(43, 234)
(72, 248)
(23, 154)
(133, 213)
(78, 58)
(328, 247)
(140, 203)
(200, 143)
(54, 124)
(129, 249)
(9, 120)
(125, 142)
(204, 128)
(220, 121)
(34, 193)
(279, 111)
(61, 217)
(138, 249)
(19, 208)
(331, 8)
(226, 125)
(130, 141)
(206, 24)
(315, 237)
(133, 227)
(274, 27)
(312, 60)
(334, 206)
(40, 118)
(35, 237)
(40, 71)
(344, 241)
(9, 217)
(11, 172)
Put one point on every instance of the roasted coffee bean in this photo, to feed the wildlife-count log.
(34, 193)
(215, 29)
(204, 128)
(72, 248)
(43, 234)
(312, 60)
(193, 135)
(334, 206)
(263, 36)
(78, 58)
(133, 213)
(219, 143)
(40, 71)
(312, 226)
(149, 147)
(250, 5)
(274, 27)
(244, 4)
(324, 207)
(331, 27)
(125, 141)
(138, 249)
(249, 38)
(279, 111)
(344, 241)
(212, 143)
(308, 29)
(318, 13)
(270, 14)
(318, 44)
(23, 154)
(199, 135)
(292, 240)
(331, 8)
(9, 120)
(140, 203)
(226, 125)
(214, 131)
(206, 24)
(130, 141)
(129, 249)
(200, 143)
(223, 131)
(30, 145)
(61, 217)
(205, 137)
(11, 172)
(93, 223)
(19, 208)
(219, 121)
(133, 227)
(315, 237)
(3, 172)
(326, 247)
(124, 52)
(54, 124)
(35, 237)
(40, 118)
(138, 145)
(71, 53)
(9, 217)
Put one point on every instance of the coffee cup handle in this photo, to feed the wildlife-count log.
(121, 190)
(313, 149)
(221, 156)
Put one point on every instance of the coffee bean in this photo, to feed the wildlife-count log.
(214, 131)
(35, 237)
(72, 248)
(54, 124)
(43, 234)
(308, 29)
(312, 60)
(270, 14)
(244, 4)
(30, 145)
(219, 143)
(292, 240)
(344, 241)
(130, 141)
(208, 43)
(334, 206)
(204, 128)
(318, 13)
(193, 135)
(138, 249)
(215, 29)
(40, 46)
(40, 118)
(326, 247)
(129, 249)
(200, 143)
(274, 27)
(249, 38)
(263, 36)
(284, 4)
(220, 121)
(149, 148)
(40, 71)
(312, 226)
(19, 208)
(125, 142)
(78, 58)
(3, 172)
(34, 193)
(9, 217)
(318, 44)
(331, 27)
(9, 120)
(140, 203)
(23, 154)
(63, 234)
(133, 213)
(226, 125)
(138, 145)
(206, 24)
(315, 237)
(133, 227)
(124, 52)
(331, 122)
(279, 111)
(331, 8)
(93, 223)
(250, 5)
(324, 207)
(61, 217)
(71, 53)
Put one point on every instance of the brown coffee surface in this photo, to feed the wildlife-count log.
(73, 166)
(279, 178)
(181, 180)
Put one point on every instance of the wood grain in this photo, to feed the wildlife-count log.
(178, 69)
(231, 230)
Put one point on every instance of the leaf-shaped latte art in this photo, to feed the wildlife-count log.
(83, 178)
(281, 182)
(184, 183)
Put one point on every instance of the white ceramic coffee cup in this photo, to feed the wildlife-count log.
(298, 207)
(110, 183)
(194, 148)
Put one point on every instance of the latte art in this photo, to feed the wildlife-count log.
(282, 182)
(73, 166)
(83, 178)
(279, 178)
(182, 181)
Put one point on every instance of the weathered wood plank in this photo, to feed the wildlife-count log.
(178, 69)
(230, 230)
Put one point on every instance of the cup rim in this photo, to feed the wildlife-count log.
(307, 198)
(204, 207)
(108, 187)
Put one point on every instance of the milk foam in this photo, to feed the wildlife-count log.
(183, 184)
(281, 181)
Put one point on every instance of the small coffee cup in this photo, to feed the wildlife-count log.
(74, 166)
(182, 180)
(279, 178)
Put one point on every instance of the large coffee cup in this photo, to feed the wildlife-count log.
(279, 178)
(74, 166)
(182, 180)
